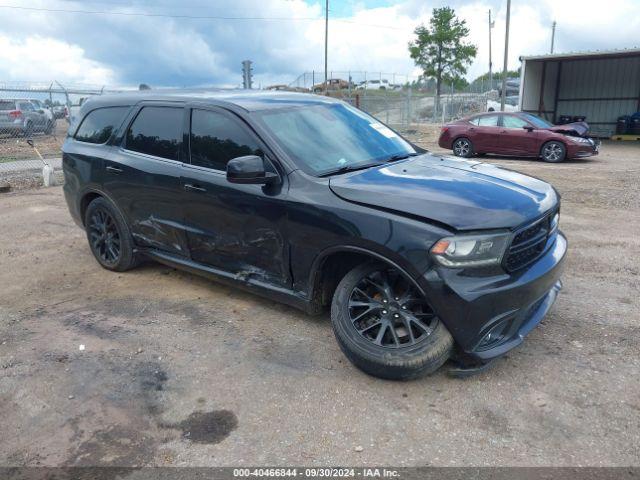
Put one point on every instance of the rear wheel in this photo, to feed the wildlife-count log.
(109, 237)
(385, 326)
(463, 147)
(553, 152)
(49, 128)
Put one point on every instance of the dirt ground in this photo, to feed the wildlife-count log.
(16, 147)
(159, 367)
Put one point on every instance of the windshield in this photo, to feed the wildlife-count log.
(537, 121)
(325, 138)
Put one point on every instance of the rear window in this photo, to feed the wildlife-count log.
(157, 131)
(5, 105)
(488, 121)
(99, 124)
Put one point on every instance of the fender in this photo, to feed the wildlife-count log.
(86, 191)
(316, 267)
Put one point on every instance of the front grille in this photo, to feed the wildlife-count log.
(528, 243)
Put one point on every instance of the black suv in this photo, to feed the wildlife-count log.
(312, 202)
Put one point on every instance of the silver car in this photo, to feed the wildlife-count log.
(20, 117)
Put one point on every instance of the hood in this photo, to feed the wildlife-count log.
(578, 128)
(461, 194)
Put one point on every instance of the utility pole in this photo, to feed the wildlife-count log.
(506, 58)
(326, 44)
(491, 24)
(553, 34)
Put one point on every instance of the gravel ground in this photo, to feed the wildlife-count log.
(160, 367)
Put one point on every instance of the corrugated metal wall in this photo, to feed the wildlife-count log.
(601, 89)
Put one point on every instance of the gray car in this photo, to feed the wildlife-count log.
(20, 117)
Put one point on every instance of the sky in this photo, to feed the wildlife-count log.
(202, 42)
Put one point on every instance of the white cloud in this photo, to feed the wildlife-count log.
(38, 58)
(99, 49)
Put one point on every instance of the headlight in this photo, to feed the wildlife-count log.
(581, 140)
(471, 250)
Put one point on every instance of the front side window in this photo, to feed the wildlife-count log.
(156, 131)
(323, 138)
(99, 124)
(26, 106)
(509, 121)
(215, 139)
(488, 121)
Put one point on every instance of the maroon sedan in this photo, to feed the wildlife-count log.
(517, 133)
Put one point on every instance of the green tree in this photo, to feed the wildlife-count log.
(440, 50)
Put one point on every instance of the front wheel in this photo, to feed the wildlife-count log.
(385, 326)
(463, 147)
(553, 152)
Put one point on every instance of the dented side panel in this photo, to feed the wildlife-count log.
(149, 193)
(237, 228)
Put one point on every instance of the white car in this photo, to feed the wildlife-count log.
(46, 111)
(510, 105)
(375, 85)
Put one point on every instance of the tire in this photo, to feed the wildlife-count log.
(395, 356)
(462, 147)
(109, 237)
(553, 152)
(28, 130)
(49, 128)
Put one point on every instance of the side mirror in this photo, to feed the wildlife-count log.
(249, 170)
(40, 111)
(528, 128)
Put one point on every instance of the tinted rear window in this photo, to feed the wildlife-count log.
(157, 131)
(99, 124)
(4, 105)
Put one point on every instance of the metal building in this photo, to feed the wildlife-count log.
(600, 86)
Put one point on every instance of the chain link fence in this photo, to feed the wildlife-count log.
(34, 118)
(400, 100)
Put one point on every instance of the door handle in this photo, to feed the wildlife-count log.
(503, 131)
(194, 188)
(111, 169)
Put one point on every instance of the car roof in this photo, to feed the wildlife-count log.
(249, 100)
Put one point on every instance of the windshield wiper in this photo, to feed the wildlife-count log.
(350, 168)
(400, 156)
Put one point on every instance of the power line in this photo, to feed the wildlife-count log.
(192, 17)
(164, 15)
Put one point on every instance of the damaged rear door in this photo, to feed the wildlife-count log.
(143, 177)
(232, 227)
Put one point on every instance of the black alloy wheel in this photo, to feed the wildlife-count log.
(386, 310)
(104, 237)
(386, 326)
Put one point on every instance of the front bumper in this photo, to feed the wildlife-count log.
(584, 150)
(489, 315)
